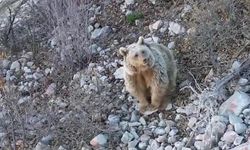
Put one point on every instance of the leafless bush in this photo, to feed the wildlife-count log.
(221, 30)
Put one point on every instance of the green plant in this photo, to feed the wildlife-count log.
(134, 16)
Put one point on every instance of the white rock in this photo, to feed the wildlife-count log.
(218, 118)
(242, 81)
(238, 140)
(41, 146)
(132, 144)
(26, 70)
(245, 146)
(30, 64)
(199, 145)
(236, 103)
(15, 66)
(142, 121)
(99, 140)
(144, 138)
(171, 139)
(153, 1)
(175, 28)
(129, 2)
(240, 128)
(171, 45)
(142, 145)
(229, 137)
(5, 64)
(127, 137)
(51, 89)
(155, 26)
(90, 28)
(97, 33)
(169, 147)
(192, 122)
(113, 119)
(159, 131)
(119, 73)
(162, 139)
(154, 145)
(178, 145)
(162, 123)
(235, 66)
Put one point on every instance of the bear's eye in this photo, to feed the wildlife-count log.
(143, 52)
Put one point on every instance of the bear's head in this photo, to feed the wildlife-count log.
(138, 55)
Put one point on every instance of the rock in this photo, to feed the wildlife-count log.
(99, 140)
(37, 75)
(185, 148)
(5, 64)
(132, 144)
(100, 32)
(90, 28)
(159, 131)
(218, 118)
(236, 103)
(142, 145)
(218, 128)
(171, 45)
(134, 116)
(47, 139)
(51, 89)
(235, 66)
(127, 137)
(162, 139)
(199, 145)
(192, 122)
(245, 146)
(240, 128)
(113, 119)
(62, 148)
(142, 121)
(242, 82)
(173, 132)
(171, 139)
(155, 26)
(129, 2)
(119, 73)
(233, 119)
(144, 138)
(229, 137)
(175, 28)
(154, 145)
(41, 146)
(169, 147)
(162, 123)
(238, 140)
(153, 1)
(169, 107)
(15, 66)
(178, 145)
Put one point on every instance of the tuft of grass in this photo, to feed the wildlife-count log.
(134, 16)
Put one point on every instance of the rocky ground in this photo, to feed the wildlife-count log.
(92, 110)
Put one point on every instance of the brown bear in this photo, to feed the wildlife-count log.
(150, 73)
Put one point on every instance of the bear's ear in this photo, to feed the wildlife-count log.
(123, 51)
(140, 40)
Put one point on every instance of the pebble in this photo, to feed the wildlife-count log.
(142, 145)
(132, 144)
(192, 122)
(142, 121)
(127, 137)
(99, 140)
(238, 140)
(175, 28)
(144, 138)
(15, 66)
(159, 131)
(229, 137)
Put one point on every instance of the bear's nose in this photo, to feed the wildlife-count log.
(145, 60)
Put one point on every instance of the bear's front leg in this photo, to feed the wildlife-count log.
(135, 87)
(158, 97)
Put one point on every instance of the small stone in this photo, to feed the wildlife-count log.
(132, 144)
(5, 64)
(235, 66)
(144, 138)
(171, 45)
(236, 103)
(134, 117)
(129, 2)
(175, 28)
(127, 137)
(51, 89)
(90, 28)
(233, 119)
(41, 146)
(218, 118)
(169, 147)
(178, 145)
(159, 131)
(243, 81)
(173, 132)
(162, 123)
(156, 25)
(119, 73)
(177, 117)
(153, 1)
(192, 122)
(244, 146)
(167, 129)
(171, 139)
(240, 128)
(162, 139)
(246, 112)
(142, 145)
(62, 148)
(15, 66)
(142, 121)
(199, 145)
(185, 148)
(99, 140)
(100, 32)
(154, 145)
(229, 137)
(113, 119)
(238, 140)
(47, 139)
